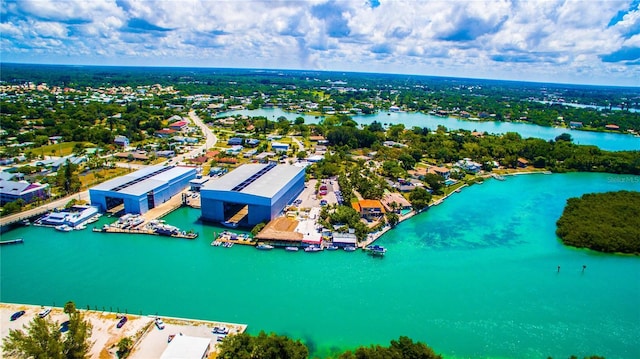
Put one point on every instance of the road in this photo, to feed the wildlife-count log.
(83, 196)
(210, 141)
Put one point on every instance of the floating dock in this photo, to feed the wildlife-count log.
(12, 241)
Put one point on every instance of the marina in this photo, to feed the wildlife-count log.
(469, 272)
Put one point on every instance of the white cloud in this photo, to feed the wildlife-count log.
(505, 38)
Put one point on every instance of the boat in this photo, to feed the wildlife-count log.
(264, 247)
(230, 224)
(25, 222)
(332, 248)
(376, 250)
(349, 248)
(64, 228)
(80, 227)
(292, 249)
(94, 218)
(12, 241)
(313, 249)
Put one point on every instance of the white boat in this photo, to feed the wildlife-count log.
(313, 249)
(80, 227)
(264, 247)
(64, 228)
(291, 249)
(349, 248)
(94, 218)
(332, 248)
(230, 224)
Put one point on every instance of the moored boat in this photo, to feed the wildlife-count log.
(64, 228)
(264, 247)
(376, 250)
(230, 224)
(349, 248)
(313, 249)
(332, 248)
(291, 249)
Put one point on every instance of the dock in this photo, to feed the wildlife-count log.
(238, 216)
(144, 230)
(12, 241)
(226, 237)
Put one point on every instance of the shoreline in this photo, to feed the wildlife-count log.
(149, 341)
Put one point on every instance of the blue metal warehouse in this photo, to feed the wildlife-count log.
(142, 190)
(251, 193)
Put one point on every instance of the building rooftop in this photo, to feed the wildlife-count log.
(264, 180)
(144, 180)
(186, 347)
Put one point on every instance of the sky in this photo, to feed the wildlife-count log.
(582, 42)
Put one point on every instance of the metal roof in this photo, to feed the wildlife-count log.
(143, 180)
(263, 180)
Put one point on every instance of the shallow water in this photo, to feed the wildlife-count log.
(473, 277)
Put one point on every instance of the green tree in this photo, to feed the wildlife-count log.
(419, 198)
(124, 347)
(263, 346)
(67, 179)
(403, 348)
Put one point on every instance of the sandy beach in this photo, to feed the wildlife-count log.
(149, 341)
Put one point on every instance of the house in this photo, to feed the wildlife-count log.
(136, 156)
(217, 171)
(279, 147)
(575, 124)
(395, 202)
(234, 141)
(612, 127)
(179, 125)
(167, 154)
(165, 133)
(369, 209)
(11, 191)
(468, 165)
(234, 150)
(440, 171)
(252, 142)
(522, 163)
(121, 141)
(344, 239)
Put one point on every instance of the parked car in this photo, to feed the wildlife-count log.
(64, 327)
(159, 323)
(44, 312)
(17, 315)
(121, 322)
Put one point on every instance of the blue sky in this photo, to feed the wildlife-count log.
(586, 41)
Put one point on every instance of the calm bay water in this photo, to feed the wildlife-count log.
(604, 140)
(473, 277)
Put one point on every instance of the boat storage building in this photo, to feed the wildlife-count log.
(142, 190)
(251, 193)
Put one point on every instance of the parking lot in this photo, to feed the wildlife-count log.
(309, 199)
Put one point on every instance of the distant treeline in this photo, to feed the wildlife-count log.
(605, 222)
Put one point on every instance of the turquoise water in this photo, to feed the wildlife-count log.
(604, 140)
(473, 277)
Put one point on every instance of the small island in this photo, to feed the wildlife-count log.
(606, 222)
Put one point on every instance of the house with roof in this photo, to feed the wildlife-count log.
(165, 133)
(11, 191)
(575, 124)
(121, 141)
(522, 163)
(395, 202)
(179, 125)
(252, 142)
(279, 147)
(235, 141)
(440, 171)
(468, 165)
(369, 209)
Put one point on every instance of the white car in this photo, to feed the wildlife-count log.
(44, 312)
(159, 323)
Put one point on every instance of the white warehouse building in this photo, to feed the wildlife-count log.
(251, 194)
(142, 190)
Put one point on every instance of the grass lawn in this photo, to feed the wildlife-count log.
(61, 149)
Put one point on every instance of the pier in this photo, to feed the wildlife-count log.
(228, 237)
(12, 241)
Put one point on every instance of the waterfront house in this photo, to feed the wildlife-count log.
(440, 171)
(369, 209)
(468, 165)
(612, 127)
(522, 163)
(344, 239)
(395, 202)
(575, 124)
(122, 141)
